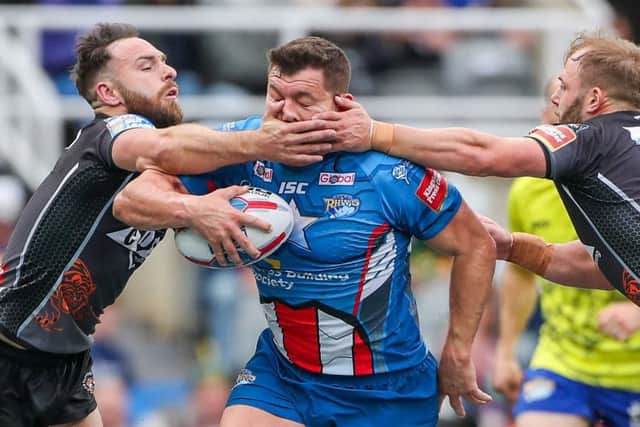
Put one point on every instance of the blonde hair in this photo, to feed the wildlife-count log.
(611, 63)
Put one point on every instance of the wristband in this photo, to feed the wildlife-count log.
(381, 136)
(530, 252)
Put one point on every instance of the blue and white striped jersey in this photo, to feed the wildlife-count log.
(337, 295)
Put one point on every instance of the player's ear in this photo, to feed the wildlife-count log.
(346, 96)
(107, 94)
(595, 100)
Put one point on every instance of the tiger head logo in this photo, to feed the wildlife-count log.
(631, 286)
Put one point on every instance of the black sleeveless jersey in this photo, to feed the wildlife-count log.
(68, 257)
(596, 168)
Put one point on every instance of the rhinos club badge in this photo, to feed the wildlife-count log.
(341, 205)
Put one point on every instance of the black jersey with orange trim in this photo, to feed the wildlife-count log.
(68, 257)
(596, 168)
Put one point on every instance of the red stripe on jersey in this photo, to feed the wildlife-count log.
(300, 335)
(2, 268)
(362, 356)
(377, 232)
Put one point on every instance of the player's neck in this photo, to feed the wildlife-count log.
(110, 111)
(611, 107)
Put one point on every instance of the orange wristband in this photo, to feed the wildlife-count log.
(530, 252)
(381, 136)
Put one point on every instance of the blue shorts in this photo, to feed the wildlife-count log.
(271, 383)
(546, 391)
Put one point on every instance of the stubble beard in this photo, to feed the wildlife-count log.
(162, 114)
(572, 113)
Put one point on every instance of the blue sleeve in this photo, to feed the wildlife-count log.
(225, 176)
(418, 200)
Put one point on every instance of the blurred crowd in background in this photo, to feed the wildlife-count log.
(167, 352)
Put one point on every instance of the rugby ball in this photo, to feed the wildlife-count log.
(256, 201)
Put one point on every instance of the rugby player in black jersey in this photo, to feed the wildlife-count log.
(593, 155)
(69, 257)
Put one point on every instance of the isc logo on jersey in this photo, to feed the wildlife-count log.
(328, 178)
(293, 187)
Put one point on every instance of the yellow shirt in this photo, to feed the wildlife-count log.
(570, 343)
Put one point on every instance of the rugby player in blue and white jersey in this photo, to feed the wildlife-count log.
(343, 345)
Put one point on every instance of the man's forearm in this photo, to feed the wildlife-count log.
(462, 150)
(518, 296)
(150, 202)
(456, 149)
(572, 265)
(192, 149)
(564, 263)
(471, 279)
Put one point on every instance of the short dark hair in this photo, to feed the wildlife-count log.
(314, 52)
(92, 54)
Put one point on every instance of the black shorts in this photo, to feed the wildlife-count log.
(40, 389)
